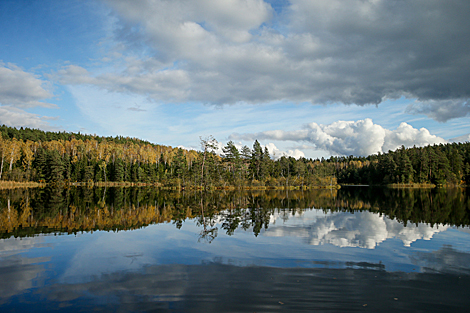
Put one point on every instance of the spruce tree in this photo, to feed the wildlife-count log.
(55, 172)
(256, 160)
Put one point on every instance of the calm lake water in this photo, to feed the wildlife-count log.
(358, 249)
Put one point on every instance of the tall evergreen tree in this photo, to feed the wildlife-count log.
(55, 168)
(233, 158)
(256, 161)
(405, 168)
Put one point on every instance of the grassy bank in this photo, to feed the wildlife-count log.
(411, 186)
(12, 184)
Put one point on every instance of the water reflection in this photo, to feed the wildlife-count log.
(445, 260)
(379, 213)
(362, 229)
(17, 272)
(137, 250)
(215, 287)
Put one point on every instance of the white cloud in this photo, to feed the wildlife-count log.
(361, 137)
(275, 153)
(186, 148)
(408, 136)
(226, 52)
(16, 117)
(21, 89)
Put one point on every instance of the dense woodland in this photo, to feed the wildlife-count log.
(60, 157)
(444, 164)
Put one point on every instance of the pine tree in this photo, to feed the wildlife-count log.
(233, 158)
(55, 172)
(118, 171)
(405, 168)
(456, 164)
(256, 160)
(424, 166)
(265, 164)
(40, 164)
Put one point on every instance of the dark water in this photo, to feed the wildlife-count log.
(358, 249)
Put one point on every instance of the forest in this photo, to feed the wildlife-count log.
(57, 158)
(444, 164)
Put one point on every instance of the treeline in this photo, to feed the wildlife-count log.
(444, 164)
(40, 135)
(57, 158)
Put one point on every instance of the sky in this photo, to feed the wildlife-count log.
(306, 78)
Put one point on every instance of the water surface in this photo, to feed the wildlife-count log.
(136, 249)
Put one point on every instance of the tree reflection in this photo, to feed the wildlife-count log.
(209, 231)
(25, 212)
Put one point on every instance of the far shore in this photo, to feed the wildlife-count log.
(14, 184)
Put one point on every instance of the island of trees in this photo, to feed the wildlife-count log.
(32, 155)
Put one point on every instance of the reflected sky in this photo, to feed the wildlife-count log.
(315, 260)
(216, 287)
(361, 229)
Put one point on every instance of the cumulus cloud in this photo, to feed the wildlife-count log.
(277, 153)
(21, 89)
(352, 51)
(360, 138)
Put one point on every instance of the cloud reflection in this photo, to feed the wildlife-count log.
(19, 273)
(445, 260)
(215, 287)
(361, 229)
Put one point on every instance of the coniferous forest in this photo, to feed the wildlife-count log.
(31, 155)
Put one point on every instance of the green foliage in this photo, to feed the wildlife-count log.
(438, 164)
(29, 154)
(39, 135)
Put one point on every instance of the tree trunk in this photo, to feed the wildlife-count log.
(11, 159)
(202, 169)
(1, 167)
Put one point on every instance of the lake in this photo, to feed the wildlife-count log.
(356, 249)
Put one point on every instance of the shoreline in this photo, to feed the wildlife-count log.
(13, 184)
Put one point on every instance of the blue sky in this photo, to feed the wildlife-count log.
(306, 78)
